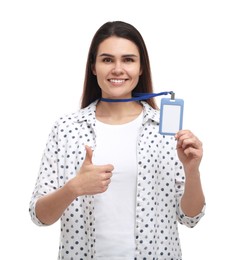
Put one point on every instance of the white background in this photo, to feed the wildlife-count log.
(194, 50)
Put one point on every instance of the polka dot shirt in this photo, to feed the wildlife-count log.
(160, 185)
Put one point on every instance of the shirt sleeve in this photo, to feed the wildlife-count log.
(189, 221)
(47, 180)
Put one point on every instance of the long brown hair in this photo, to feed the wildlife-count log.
(91, 89)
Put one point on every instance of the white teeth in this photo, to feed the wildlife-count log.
(117, 80)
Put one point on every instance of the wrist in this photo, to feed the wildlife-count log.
(72, 191)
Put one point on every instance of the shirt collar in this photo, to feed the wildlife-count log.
(150, 113)
(88, 114)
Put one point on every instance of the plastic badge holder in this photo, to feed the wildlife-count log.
(171, 116)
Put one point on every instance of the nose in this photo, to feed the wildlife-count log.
(118, 68)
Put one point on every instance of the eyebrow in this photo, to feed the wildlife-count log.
(110, 55)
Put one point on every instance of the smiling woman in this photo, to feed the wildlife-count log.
(119, 187)
(134, 46)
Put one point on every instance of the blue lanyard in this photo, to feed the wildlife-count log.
(139, 96)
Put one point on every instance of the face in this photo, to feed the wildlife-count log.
(117, 67)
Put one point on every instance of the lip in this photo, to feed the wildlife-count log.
(117, 82)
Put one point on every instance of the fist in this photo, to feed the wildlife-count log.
(91, 179)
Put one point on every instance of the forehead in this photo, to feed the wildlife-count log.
(118, 46)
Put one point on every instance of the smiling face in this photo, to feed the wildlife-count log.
(117, 67)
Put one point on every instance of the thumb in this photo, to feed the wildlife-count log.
(88, 156)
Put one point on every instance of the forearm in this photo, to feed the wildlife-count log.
(193, 199)
(50, 207)
(90, 180)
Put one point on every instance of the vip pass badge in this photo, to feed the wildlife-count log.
(171, 110)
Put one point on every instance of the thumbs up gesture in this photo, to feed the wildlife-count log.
(91, 179)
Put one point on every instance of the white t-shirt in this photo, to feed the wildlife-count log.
(115, 208)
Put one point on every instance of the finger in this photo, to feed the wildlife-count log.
(182, 133)
(88, 156)
(186, 138)
(192, 152)
(107, 182)
(108, 168)
(193, 142)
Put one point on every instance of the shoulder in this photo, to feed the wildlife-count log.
(75, 118)
(67, 119)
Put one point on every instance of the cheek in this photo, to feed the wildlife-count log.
(135, 72)
(135, 75)
(100, 77)
(100, 71)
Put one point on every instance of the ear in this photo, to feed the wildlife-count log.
(140, 72)
(93, 69)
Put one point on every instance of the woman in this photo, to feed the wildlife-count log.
(118, 186)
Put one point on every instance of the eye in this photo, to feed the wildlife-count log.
(107, 60)
(128, 60)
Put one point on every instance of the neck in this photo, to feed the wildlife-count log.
(117, 113)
